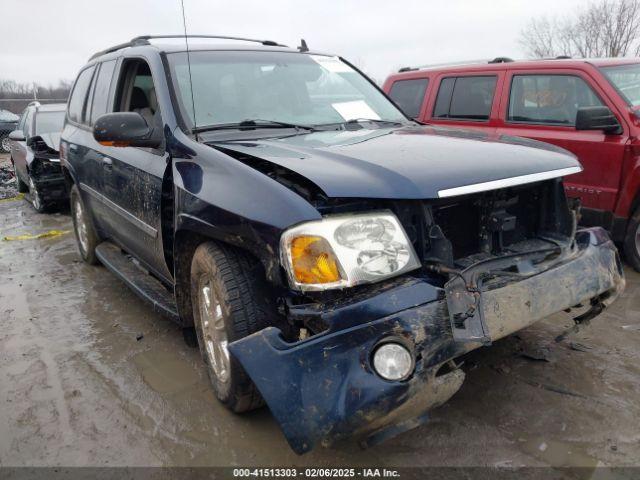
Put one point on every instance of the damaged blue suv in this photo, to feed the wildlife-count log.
(333, 257)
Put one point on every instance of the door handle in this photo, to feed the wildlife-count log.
(107, 163)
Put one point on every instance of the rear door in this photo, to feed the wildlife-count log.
(469, 100)
(542, 105)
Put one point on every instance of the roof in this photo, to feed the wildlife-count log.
(176, 43)
(504, 63)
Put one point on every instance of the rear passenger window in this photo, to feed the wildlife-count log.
(409, 94)
(79, 95)
(101, 90)
(549, 99)
(466, 98)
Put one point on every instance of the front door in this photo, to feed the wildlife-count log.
(132, 177)
(543, 107)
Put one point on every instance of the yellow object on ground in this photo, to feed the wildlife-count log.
(20, 196)
(29, 236)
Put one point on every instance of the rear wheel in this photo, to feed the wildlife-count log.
(230, 301)
(86, 236)
(632, 240)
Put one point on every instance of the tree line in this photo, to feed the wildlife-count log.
(15, 96)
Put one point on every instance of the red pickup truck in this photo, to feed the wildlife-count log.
(589, 107)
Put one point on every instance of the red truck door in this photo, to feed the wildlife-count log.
(542, 105)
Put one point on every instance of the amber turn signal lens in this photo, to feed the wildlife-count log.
(313, 260)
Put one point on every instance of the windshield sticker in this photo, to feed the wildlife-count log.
(358, 109)
(332, 64)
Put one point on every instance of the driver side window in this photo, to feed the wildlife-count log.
(136, 91)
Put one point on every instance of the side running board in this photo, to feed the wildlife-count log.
(144, 285)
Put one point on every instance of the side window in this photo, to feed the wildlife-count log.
(468, 98)
(28, 123)
(549, 99)
(79, 95)
(23, 119)
(409, 95)
(100, 104)
(136, 91)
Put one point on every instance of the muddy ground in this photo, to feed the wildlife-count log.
(77, 388)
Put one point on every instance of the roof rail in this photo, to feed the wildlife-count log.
(501, 60)
(144, 40)
(562, 57)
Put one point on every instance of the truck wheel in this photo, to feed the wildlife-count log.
(22, 187)
(632, 241)
(230, 301)
(86, 236)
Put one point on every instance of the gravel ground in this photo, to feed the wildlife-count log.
(8, 186)
(78, 389)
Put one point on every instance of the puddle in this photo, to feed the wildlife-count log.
(164, 372)
(559, 454)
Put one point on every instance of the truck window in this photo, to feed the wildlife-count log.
(101, 90)
(549, 99)
(466, 98)
(409, 94)
(79, 95)
(136, 91)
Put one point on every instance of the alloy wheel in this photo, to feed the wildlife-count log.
(214, 332)
(81, 226)
(36, 200)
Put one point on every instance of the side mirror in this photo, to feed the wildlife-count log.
(597, 118)
(16, 136)
(125, 129)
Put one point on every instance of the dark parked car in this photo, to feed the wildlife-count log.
(35, 155)
(334, 256)
(8, 123)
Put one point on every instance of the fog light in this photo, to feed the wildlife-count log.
(392, 361)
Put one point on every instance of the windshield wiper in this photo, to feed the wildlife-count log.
(251, 124)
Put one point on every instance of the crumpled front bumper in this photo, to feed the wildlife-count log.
(324, 388)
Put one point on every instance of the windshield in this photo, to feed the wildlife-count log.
(229, 87)
(626, 79)
(49, 122)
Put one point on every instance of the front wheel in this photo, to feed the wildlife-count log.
(36, 197)
(632, 241)
(230, 301)
(86, 236)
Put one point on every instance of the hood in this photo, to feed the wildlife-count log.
(414, 162)
(52, 139)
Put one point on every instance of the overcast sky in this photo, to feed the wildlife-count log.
(47, 40)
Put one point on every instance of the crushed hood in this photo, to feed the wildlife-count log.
(413, 162)
(52, 140)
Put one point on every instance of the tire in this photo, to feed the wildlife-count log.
(38, 202)
(86, 237)
(632, 241)
(5, 143)
(239, 304)
(22, 187)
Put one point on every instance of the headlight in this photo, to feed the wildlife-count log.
(346, 250)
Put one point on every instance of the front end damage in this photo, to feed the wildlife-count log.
(43, 161)
(492, 264)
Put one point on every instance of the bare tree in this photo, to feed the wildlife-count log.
(608, 28)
